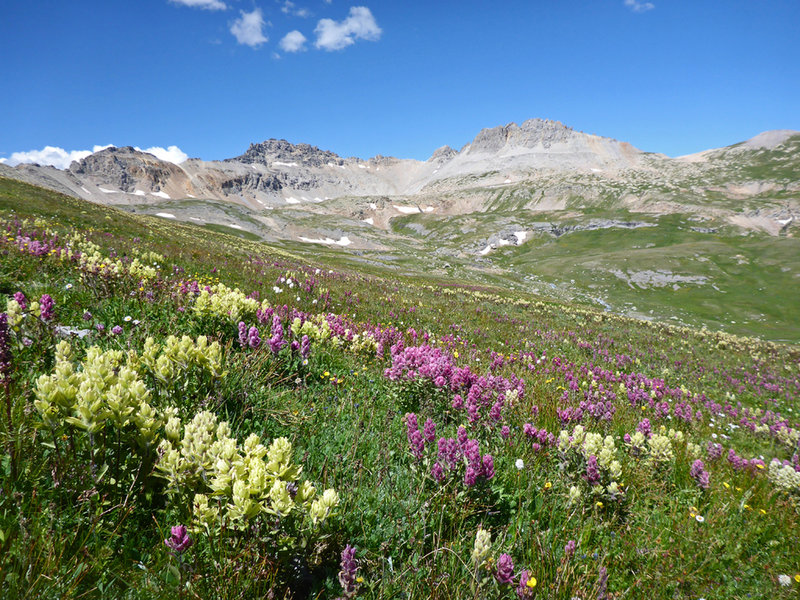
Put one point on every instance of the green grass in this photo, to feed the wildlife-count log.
(80, 517)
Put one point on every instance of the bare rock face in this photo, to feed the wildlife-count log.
(532, 133)
(540, 132)
(127, 169)
(442, 154)
(251, 182)
(491, 140)
(273, 150)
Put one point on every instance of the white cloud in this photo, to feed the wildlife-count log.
(171, 154)
(204, 4)
(335, 35)
(50, 155)
(294, 41)
(289, 8)
(248, 29)
(639, 7)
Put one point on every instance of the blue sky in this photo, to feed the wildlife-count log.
(394, 78)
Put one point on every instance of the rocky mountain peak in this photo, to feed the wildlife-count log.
(273, 150)
(771, 139)
(126, 167)
(532, 133)
(443, 153)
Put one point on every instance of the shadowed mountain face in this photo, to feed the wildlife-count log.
(705, 238)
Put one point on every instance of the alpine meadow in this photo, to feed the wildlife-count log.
(318, 300)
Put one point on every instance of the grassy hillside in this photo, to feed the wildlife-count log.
(187, 413)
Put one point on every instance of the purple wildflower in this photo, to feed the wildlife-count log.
(416, 443)
(437, 472)
(116, 330)
(505, 432)
(21, 300)
(645, 428)
(87, 316)
(488, 466)
(305, 347)
(100, 327)
(699, 474)
(470, 476)
(242, 334)
(569, 548)
(714, 450)
(496, 413)
(348, 572)
(737, 462)
(592, 472)
(449, 452)
(472, 452)
(505, 569)
(276, 342)
(411, 423)
(523, 590)
(429, 431)
(46, 306)
(462, 436)
(252, 338)
(179, 540)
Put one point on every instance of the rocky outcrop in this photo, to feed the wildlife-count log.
(252, 182)
(443, 153)
(128, 169)
(272, 150)
(532, 133)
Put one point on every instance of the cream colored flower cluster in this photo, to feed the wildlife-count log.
(788, 437)
(16, 314)
(660, 445)
(482, 546)
(316, 328)
(593, 444)
(231, 304)
(784, 477)
(238, 482)
(603, 449)
(659, 448)
(178, 356)
(98, 264)
(105, 391)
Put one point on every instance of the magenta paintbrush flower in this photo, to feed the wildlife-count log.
(179, 540)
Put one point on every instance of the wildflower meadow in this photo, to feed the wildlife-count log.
(187, 414)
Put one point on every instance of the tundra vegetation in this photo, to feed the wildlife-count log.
(190, 414)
